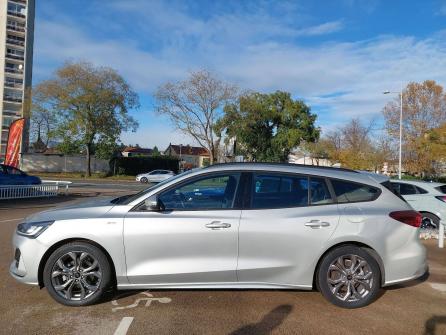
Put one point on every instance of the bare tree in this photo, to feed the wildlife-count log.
(194, 106)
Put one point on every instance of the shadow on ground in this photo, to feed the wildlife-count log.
(268, 323)
(430, 326)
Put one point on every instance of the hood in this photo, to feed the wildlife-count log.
(86, 209)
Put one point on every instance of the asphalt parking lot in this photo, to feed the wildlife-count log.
(418, 307)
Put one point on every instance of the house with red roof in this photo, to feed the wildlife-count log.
(189, 156)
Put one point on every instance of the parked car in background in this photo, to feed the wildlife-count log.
(231, 226)
(155, 176)
(427, 198)
(12, 176)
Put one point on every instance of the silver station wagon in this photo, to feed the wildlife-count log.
(245, 225)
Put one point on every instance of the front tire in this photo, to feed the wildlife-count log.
(144, 180)
(77, 274)
(349, 277)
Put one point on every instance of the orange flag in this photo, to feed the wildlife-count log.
(14, 142)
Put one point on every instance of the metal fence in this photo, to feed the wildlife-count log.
(47, 189)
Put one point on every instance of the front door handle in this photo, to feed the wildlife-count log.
(218, 225)
(317, 224)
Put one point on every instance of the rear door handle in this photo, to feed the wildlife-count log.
(317, 224)
(218, 225)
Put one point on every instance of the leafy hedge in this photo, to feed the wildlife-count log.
(136, 165)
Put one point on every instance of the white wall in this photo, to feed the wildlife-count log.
(33, 162)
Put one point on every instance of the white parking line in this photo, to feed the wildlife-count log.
(439, 287)
(124, 326)
(9, 220)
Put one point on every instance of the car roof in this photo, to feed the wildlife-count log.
(420, 183)
(324, 171)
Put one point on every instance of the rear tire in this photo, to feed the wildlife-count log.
(349, 277)
(77, 274)
(429, 221)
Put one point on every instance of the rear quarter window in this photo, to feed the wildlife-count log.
(347, 191)
(441, 188)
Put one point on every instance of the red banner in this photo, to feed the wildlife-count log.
(14, 142)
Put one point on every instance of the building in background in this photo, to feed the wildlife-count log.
(16, 58)
(190, 157)
(136, 151)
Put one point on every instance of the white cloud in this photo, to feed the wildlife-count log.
(256, 50)
(322, 29)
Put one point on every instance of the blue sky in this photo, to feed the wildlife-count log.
(338, 56)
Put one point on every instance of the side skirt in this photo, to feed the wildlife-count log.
(243, 286)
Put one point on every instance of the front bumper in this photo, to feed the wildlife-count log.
(27, 255)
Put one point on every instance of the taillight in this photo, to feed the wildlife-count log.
(441, 198)
(412, 218)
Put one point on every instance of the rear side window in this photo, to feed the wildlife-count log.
(279, 191)
(319, 193)
(406, 189)
(347, 191)
(421, 190)
(441, 189)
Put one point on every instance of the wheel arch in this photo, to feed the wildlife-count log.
(50, 250)
(364, 246)
(427, 212)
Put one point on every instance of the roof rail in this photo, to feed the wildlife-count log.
(284, 164)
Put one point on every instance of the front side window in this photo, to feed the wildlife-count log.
(14, 171)
(347, 191)
(211, 192)
(279, 191)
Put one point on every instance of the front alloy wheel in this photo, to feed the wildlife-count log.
(349, 277)
(77, 274)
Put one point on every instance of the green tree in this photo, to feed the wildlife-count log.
(424, 109)
(268, 126)
(155, 151)
(91, 105)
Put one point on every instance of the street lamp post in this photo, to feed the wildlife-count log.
(401, 126)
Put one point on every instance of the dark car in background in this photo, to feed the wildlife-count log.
(12, 176)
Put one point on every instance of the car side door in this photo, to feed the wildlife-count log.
(285, 226)
(192, 240)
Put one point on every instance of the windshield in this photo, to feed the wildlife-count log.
(126, 199)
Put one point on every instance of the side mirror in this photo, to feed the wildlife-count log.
(153, 204)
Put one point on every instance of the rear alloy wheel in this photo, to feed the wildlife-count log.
(77, 274)
(349, 277)
(144, 180)
(429, 221)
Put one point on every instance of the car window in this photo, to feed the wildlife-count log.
(441, 189)
(154, 172)
(279, 191)
(211, 192)
(353, 192)
(319, 193)
(421, 190)
(13, 171)
(407, 189)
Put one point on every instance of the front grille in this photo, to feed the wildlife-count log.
(17, 257)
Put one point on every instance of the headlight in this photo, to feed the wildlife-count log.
(33, 229)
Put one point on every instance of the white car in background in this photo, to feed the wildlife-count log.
(155, 176)
(427, 198)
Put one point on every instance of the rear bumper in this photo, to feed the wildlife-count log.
(407, 264)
